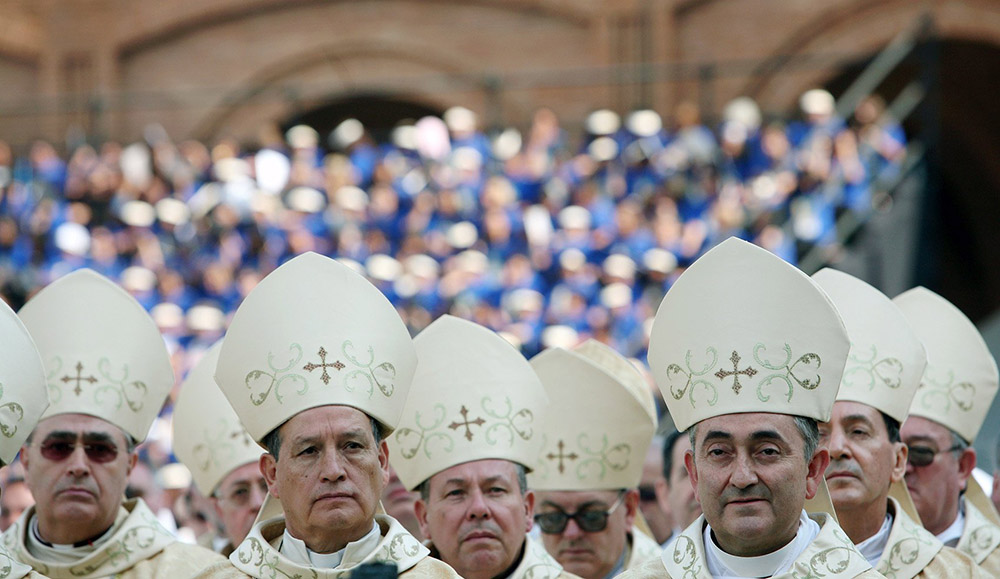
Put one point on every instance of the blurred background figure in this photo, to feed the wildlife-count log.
(15, 498)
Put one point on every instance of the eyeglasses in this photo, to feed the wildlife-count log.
(239, 494)
(589, 521)
(96, 450)
(647, 494)
(923, 455)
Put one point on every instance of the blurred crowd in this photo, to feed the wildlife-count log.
(547, 234)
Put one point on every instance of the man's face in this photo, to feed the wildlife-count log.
(752, 479)
(935, 488)
(589, 555)
(477, 517)
(659, 520)
(680, 495)
(77, 497)
(862, 460)
(329, 476)
(16, 499)
(238, 498)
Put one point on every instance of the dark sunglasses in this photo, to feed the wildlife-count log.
(589, 521)
(647, 494)
(96, 450)
(923, 456)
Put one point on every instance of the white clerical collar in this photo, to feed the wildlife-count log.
(56, 553)
(297, 552)
(722, 564)
(953, 533)
(873, 547)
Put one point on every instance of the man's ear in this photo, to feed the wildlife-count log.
(529, 510)
(24, 458)
(966, 462)
(269, 470)
(420, 510)
(383, 462)
(900, 453)
(631, 506)
(691, 468)
(816, 470)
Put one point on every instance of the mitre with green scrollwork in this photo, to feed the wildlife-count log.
(960, 381)
(315, 333)
(208, 436)
(103, 354)
(23, 394)
(743, 331)
(598, 432)
(474, 397)
(886, 359)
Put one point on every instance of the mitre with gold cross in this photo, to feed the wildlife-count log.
(743, 331)
(23, 393)
(474, 397)
(598, 437)
(208, 436)
(103, 354)
(315, 333)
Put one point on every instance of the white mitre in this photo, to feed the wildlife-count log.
(23, 392)
(103, 354)
(743, 331)
(315, 333)
(960, 380)
(886, 359)
(474, 397)
(598, 438)
(208, 436)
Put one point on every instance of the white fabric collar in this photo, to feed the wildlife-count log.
(954, 532)
(873, 547)
(296, 550)
(724, 565)
(66, 554)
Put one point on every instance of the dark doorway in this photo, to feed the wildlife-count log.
(959, 255)
(378, 112)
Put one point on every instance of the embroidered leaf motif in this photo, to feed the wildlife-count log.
(906, 550)
(401, 546)
(256, 379)
(54, 369)
(368, 373)
(683, 381)
(411, 439)
(686, 556)
(219, 443)
(131, 393)
(868, 370)
(599, 460)
(509, 422)
(804, 371)
(10, 414)
(962, 394)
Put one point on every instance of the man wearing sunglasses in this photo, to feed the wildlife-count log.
(317, 365)
(591, 462)
(867, 457)
(23, 399)
(468, 433)
(947, 412)
(748, 353)
(108, 375)
(210, 440)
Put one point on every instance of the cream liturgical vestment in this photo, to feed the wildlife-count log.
(831, 555)
(642, 548)
(139, 548)
(913, 552)
(259, 556)
(981, 540)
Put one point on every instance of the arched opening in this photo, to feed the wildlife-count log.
(379, 113)
(959, 244)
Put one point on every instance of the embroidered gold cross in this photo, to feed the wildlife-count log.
(322, 357)
(78, 378)
(465, 417)
(748, 372)
(561, 456)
